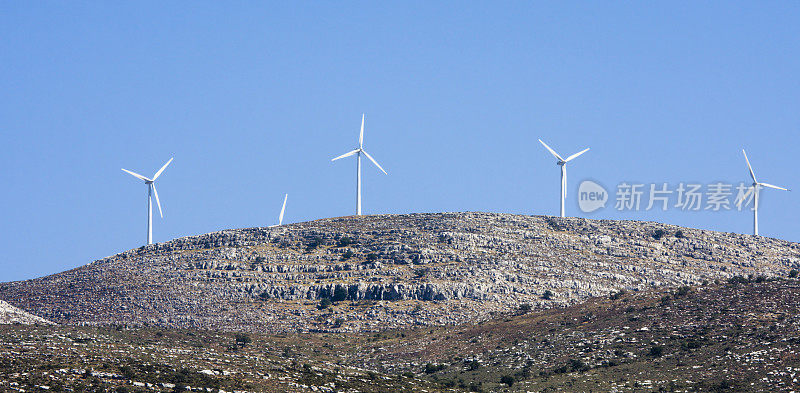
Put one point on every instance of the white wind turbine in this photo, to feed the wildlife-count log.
(358, 152)
(151, 190)
(283, 209)
(563, 164)
(754, 188)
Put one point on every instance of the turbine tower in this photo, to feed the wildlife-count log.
(754, 188)
(360, 150)
(563, 164)
(151, 190)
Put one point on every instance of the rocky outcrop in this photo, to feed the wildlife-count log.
(389, 271)
(12, 315)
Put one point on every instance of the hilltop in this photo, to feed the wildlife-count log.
(389, 271)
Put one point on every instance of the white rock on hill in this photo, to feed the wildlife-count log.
(11, 315)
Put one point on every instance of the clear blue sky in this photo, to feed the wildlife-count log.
(253, 99)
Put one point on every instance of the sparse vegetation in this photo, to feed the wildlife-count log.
(547, 295)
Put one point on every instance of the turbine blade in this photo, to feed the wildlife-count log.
(348, 154)
(576, 154)
(137, 175)
(553, 152)
(374, 162)
(745, 196)
(160, 213)
(361, 136)
(162, 169)
(283, 209)
(753, 175)
(772, 186)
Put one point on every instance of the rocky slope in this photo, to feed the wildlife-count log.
(389, 271)
(12, 315)
(740, 336)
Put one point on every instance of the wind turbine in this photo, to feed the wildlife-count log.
(151, 190)
(754, 188)
(563, 164)
(283, 209)
(358, 152)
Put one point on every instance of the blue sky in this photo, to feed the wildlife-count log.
(253, 99)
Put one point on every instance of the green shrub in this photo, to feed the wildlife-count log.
(324, 303)
(547, 295)
(313, 244)
(432, 368)
(578, 365)
(691, 344)
(679, 235)
(658, 234)
(242, 339)
(344, 241)
(507, 380)
(347, 254)
(738, 280)
(683, 291)
(656, 351)
(339, 294)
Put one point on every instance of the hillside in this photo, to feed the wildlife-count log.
(739, 336)
(389, 271)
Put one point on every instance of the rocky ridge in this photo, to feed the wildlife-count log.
(389, 271)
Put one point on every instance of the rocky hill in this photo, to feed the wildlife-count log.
(12, 315)
(389, 271)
